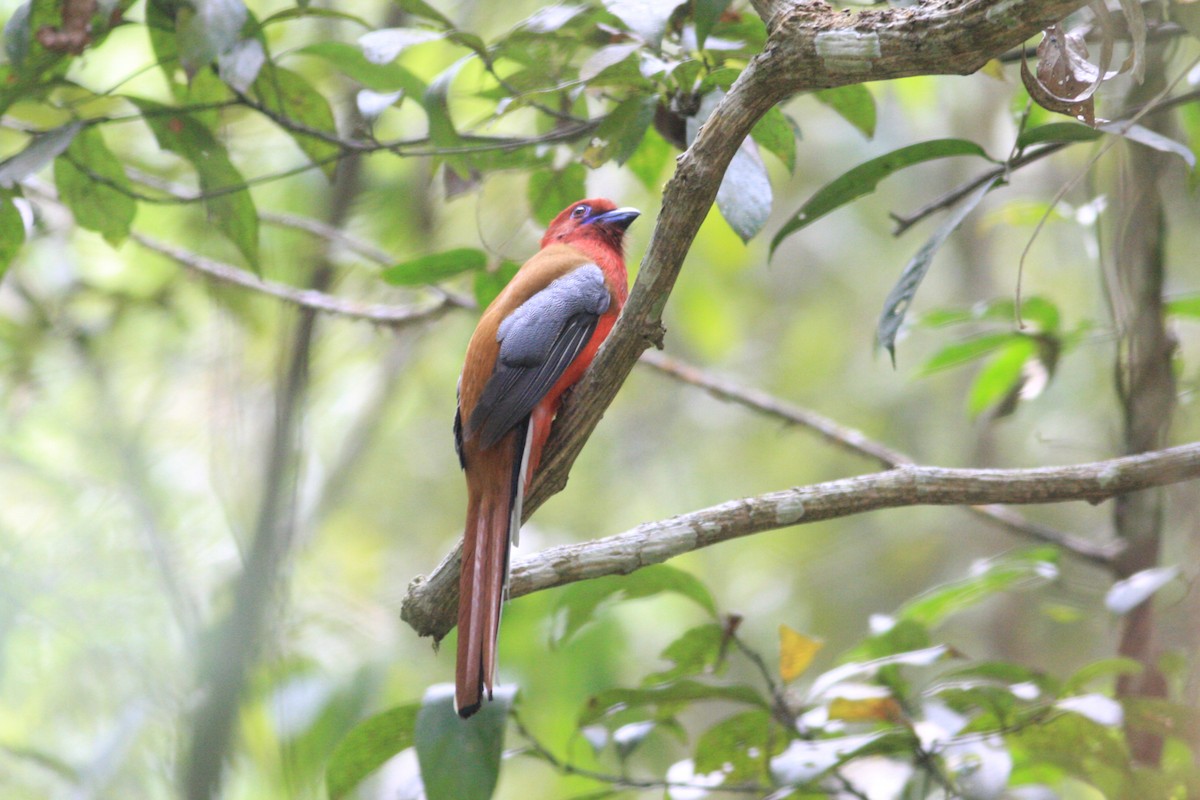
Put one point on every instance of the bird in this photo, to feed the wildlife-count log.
(534, 341)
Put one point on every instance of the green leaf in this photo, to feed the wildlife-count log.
(550, 191)
(996, 385)
(775, 134)
(959, 353)
(368, 746)
(1057, 132)
(900, 298)
(902, 636)
(579, 601)
(204, 29)
(227, 201)
(863, 179)
(697, 650)
(855, 103)
(101, 203)
(18, 35)
(437, 105)
(489, 283)
(354, 65)
(435, 267)
(1030, 567)
(288, 96)
(706, 13)
(667, 699)
(648, 161)
(744, 197)
(1106, 669)
(621, 131)
(12, 231)
(41, 150)
(739, 746)
(460, 758)
(1184, 306)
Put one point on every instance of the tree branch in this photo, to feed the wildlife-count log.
(430, 605)
(858, 442)
(393, 316)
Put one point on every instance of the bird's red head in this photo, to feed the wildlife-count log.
(596, 219)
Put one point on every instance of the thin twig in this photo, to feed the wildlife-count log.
(393, 316)
(858, 442)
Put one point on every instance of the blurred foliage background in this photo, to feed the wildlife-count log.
(140, 401)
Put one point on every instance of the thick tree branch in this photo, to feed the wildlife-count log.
(430, 606)
(858, 442)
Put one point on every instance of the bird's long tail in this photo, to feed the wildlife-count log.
(492, 519)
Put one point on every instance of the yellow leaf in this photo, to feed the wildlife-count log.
(866, 709)
(796, 652)
(993, 69)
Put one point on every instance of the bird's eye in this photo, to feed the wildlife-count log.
(580, 212)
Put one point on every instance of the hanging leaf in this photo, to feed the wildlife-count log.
(1066, 80)
(368, 746)
(99, 201)
(796, 653)
(899, 299)
(436, 267)
(550, 190)
(289, 97)
(744, 196)
(41, 150)
(12, 232)
(855, 103)
(863, 179)
(460, 758)
(578, 603)
(227, 201)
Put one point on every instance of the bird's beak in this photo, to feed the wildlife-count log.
(619, 218)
